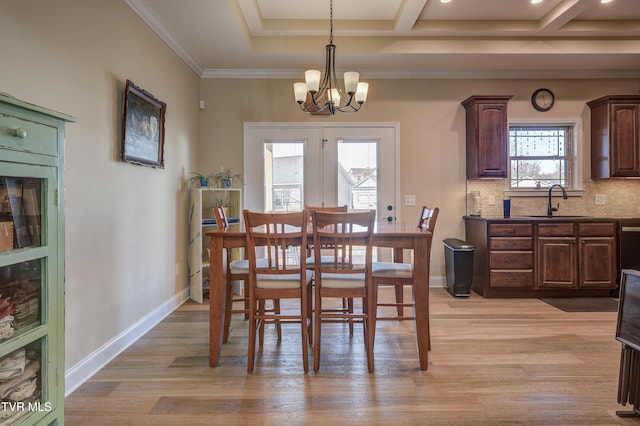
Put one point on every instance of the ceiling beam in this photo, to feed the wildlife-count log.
(566, 11)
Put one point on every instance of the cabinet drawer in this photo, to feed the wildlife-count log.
(524, 243)
(510, 230)
(511, 279)
(605, 229)
(556, 230)
(511, 260)
(22, 135)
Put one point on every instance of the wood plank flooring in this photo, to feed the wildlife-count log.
(493, 362)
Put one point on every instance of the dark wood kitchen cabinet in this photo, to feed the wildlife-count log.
(510, 255)
(577, 255)
(597, 254)
(557, 256)
(615, 136)
(542, 258)
(487, 134)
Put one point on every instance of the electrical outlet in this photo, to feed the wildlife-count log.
(492, 200)
(601, 199)
(409, 200)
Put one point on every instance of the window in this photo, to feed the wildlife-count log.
(543, 155)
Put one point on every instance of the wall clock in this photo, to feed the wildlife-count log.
(543, 99)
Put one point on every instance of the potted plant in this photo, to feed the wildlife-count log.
(224, 178)
(218, 202)
(204, 180)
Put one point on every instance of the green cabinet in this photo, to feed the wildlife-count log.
(31, 263)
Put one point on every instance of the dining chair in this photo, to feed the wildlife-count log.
(399, 275)
(237, 270)
(276, 235)
(350, 238)
(310, 254)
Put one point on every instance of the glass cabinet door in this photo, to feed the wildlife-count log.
(28, 265)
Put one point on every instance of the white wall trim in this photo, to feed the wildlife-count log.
(85, 369)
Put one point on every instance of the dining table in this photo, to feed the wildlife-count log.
(398, 236)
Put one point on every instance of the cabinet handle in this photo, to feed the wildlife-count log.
(20, 133)
(509, 279)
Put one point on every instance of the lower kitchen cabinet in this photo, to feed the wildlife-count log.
(597, 255)
(557, 256)
(542, 258)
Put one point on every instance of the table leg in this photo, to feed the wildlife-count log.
(422, 249)
(217, 294)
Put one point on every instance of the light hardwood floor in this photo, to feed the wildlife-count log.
(493, 361)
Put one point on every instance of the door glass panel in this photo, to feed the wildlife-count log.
(358, 174)
(20, 212)
(22, 382)
(283, 176)
(20, 300)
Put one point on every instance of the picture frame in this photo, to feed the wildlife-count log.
(142, 127)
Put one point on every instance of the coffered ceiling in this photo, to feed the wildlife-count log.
(402, 38)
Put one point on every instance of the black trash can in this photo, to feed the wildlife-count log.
(458, 257)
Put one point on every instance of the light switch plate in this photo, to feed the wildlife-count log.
(492, 200)
(409, 200)
(601, 199)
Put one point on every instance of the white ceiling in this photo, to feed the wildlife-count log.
(402, 38)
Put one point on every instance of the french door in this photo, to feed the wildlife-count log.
(290, 165)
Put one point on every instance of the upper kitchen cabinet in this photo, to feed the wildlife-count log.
(615, 136)
(487, 136)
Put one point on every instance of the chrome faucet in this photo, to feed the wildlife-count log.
(550, 209)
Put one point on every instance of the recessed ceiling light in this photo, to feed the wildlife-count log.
(605, 1)
(536, 1)
(445, 1)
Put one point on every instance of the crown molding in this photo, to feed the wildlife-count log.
(151, 19)
(458, 74)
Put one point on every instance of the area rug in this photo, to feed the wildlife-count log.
(583, 304)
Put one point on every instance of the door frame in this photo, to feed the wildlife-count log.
(252, 194)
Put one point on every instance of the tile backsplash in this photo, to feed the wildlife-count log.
(622, 199)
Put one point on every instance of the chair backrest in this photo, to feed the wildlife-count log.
(221, 217)
(427, 219)
(350, 238)
(334, 209)
(281, 236)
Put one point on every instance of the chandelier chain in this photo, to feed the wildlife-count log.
(331, 22)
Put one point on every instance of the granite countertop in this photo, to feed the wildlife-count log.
(558, 218)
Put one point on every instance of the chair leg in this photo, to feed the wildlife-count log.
(309, 319)
(261, 309)
(246, 298)
(305, 335)
(317, 333)
(399, 290)
(251, 353)
(228, 306)
(276, 310)
(369, 325)
(350, 310)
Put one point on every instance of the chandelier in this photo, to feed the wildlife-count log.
(315, 96)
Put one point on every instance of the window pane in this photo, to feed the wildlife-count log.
(284, 176)
(358, 174)
(539, 156)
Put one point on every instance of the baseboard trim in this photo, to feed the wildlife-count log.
(85, 369)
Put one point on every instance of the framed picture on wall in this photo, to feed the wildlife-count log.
(142, 127)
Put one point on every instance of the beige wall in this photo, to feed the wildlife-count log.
(432, 131)
(126, 225)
